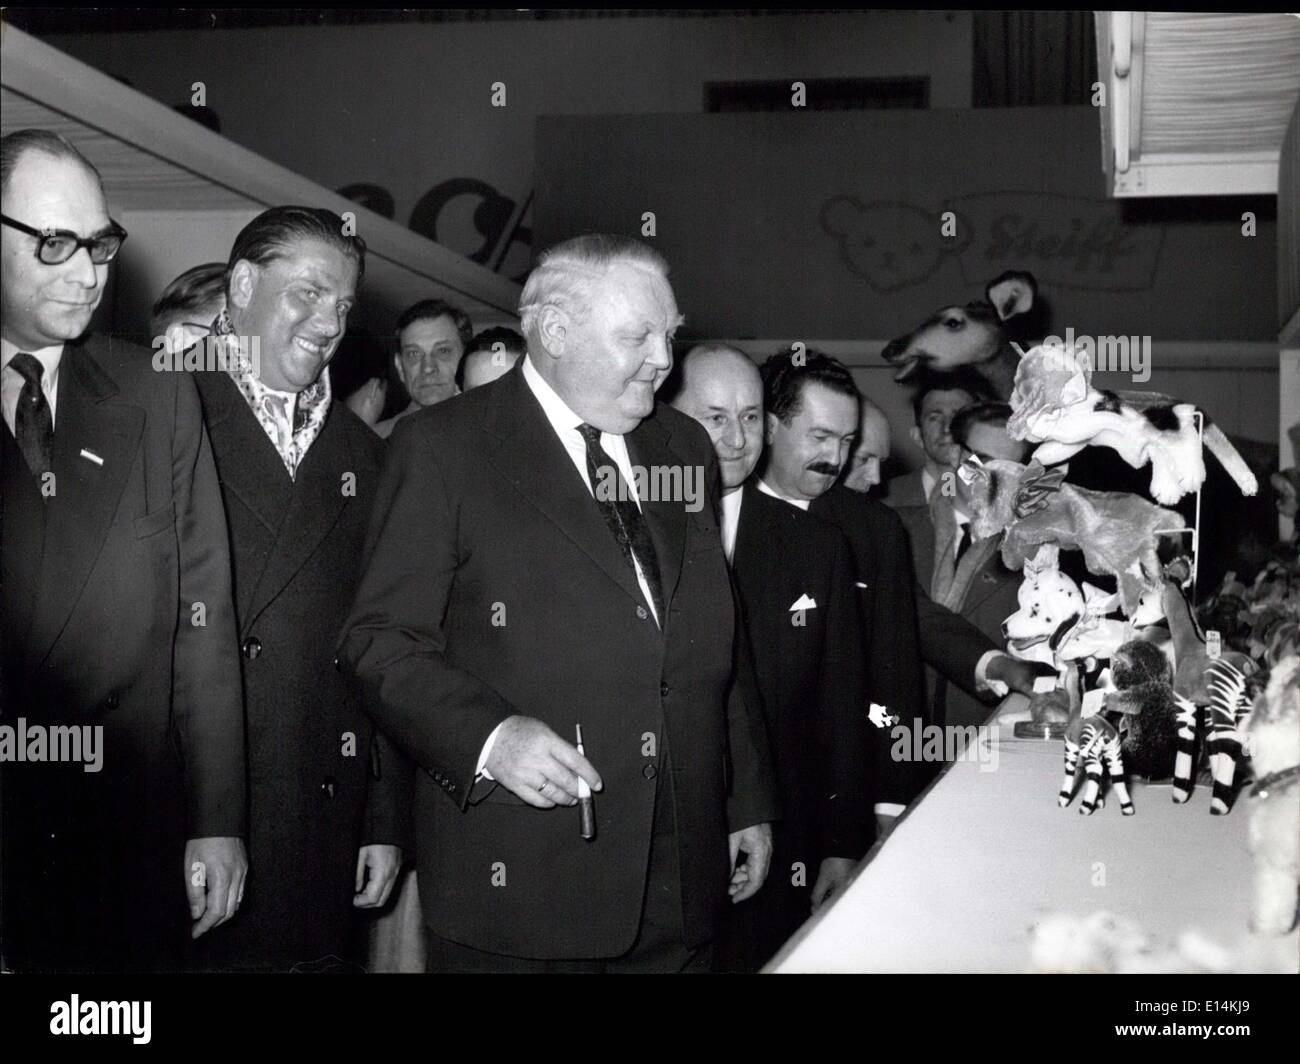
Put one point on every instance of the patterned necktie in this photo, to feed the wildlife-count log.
(33, 422)
(622, 514)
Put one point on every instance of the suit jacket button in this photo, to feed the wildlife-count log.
(252, 647)
(338, 665)
(649, 771)
(641, 614)
(327, 786)
(663, 690)
(111, 702)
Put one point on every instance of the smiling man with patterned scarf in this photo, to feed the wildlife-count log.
(327, 795)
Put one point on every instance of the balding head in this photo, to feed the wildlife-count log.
(721, 388)
(870, 450)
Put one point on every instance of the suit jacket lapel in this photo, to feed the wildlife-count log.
(531, 457)
(248, 464)
(89, 418)
(314, 509)
(981, 560)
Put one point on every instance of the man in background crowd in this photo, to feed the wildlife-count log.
(187, 307)
(963, 576)
(490, 355)
(328, 797)
(794, 579)
(115, 606)
(432, 337)
(870, 450)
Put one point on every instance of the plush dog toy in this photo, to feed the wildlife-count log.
(1274, 732)
(977, 335)
(1117, 532)
(1139, 687)
(1055, 405)
(1057, 622)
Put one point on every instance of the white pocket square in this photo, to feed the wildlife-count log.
(91, 456)
(803, 602)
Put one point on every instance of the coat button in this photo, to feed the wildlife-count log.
(663, 690)
(641, 614)
(649, 771)
(327, 786)
(338, 665)
(111, 702)
(252, 647)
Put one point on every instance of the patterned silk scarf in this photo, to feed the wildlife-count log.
(291, 426)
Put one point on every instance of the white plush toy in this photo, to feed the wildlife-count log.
(1274, 742)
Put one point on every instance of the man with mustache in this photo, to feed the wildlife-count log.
(327, 795)
(432, 336)
(812, 411)
(115, 605)
(794, 579)
(510, 598)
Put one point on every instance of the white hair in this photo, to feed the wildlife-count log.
(565, 275)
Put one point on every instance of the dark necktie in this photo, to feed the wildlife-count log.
(963, 541)
(33, 423)
(622, 514)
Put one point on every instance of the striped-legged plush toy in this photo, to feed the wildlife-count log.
(1220, 727)
(1094, 741)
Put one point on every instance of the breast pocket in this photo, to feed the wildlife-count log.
(158, 521)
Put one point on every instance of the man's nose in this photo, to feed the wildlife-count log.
(81, 270)
(661, 354)
(734, 437)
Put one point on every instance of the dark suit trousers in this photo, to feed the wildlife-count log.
(659, 946)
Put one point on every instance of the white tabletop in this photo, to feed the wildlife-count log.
(959, 883)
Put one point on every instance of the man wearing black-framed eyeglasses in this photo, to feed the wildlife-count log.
(116, 608)
(56, 246)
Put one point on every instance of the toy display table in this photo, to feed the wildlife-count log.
(986, 851)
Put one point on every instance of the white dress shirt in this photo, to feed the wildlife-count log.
(565, 423)
(731, 520)
(11, 381)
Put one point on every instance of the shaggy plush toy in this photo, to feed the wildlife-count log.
(1274, 732)
(1142, 690)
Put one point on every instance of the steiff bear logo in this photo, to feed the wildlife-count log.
(1066, 241)
(889, 245)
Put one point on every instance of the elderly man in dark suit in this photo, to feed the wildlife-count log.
(298, 472)
(794, 578)
(115, 606)
(544, 555)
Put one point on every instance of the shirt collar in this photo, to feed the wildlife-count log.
(557, 411)
(928, 484)
(49, 358)
(766, 489)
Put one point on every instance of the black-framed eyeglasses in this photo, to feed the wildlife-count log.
(55, 246)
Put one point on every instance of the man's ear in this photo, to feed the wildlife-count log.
(243, 279)
(769, 428)
(397, 367)
(914, 434)
(1013, 293)
(553, 327)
